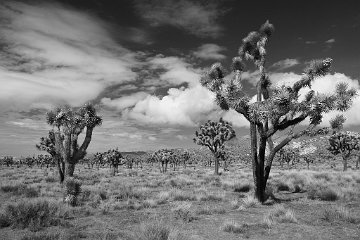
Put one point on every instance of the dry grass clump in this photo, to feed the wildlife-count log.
(244, 187)
(248, 202)
(183, 212)
(233, 227)
(41, 236)
(279, 214)
(158, 230)
(209, 210)
(323, 193)
(340, 213)
(18, 189)
(33, 214)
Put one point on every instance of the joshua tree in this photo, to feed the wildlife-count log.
(288, 155)
(68, 123)
(113, 157)
(344, 143)
(277, 108)
(163, 157)
(213, 135)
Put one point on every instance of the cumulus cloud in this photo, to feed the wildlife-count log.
(55, 54)
(179, 107)
(285, 63)
(210, 51)
(198, 18)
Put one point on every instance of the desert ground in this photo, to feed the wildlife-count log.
(188, 203)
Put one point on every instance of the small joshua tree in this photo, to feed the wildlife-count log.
(113, 157)
(288, 155)
(73, 190)
(276, 108)
(213, 135)
(344, 143)
(68, 123)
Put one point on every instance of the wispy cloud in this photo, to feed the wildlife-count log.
(285, 63)
(210, 51)
(197, 17)
(55, 54)
(311, 42)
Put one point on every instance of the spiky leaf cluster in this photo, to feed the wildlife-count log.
(47, 144)
(214, 134)
(73, 121)
(344, 143)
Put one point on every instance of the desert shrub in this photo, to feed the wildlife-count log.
(322, 193)
(73, 190)
(280, 214)
(16, 189)
(325, 176)
(41, 236)
(282, 187)
(249, 201)
(178, 195)
(34, 214)
(234, 227)
(242, 188)
(4, 221)
(20, 189)
(125, 192)
(150, 203)
(31, 192)
(340, 213)
(154, 230)
(297, 189)
(207, 210)
(183, 212)
(50, 179)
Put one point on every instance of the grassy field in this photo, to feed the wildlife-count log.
(185, 204)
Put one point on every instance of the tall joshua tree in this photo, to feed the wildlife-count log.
(343, 143)
(276, 108)
(213, 135)
(68, 123)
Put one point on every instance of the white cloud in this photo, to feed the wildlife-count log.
(311, 42)
(181, 137)
(56, 54)
(210, 51)
(286, 63)
(177, 71)
(124, 102)
(30, 124)
(198, 18)
(330, 41)
(180, 107)
(237, 119)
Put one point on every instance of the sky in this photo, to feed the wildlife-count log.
(140, 62)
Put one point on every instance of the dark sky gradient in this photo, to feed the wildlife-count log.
(305, 30)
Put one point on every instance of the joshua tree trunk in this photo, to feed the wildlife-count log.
(345, 163)
(357, 162)
(216, 172)
(257, 165)
(61, 169)
(70, 168)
